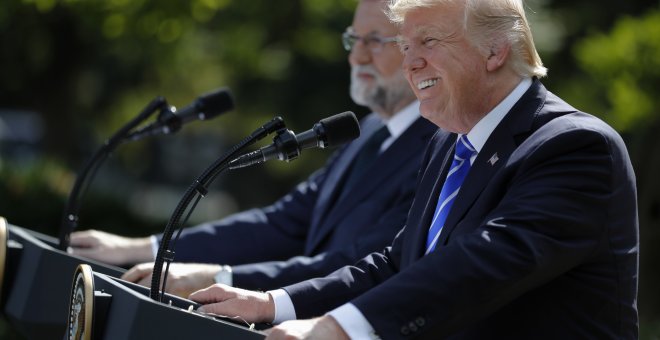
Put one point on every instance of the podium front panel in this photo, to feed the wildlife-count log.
(38, 283)
(131, 314)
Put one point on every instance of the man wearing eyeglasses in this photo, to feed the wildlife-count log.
(352, 206)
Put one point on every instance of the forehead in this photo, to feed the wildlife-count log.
(370, 18)
(438, 19)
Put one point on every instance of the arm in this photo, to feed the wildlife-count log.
(275, 232)
(284, 223)
(374, 229)
(552, 214)
(368, 227)
(315, 297)
(110, 248)
(547, 214)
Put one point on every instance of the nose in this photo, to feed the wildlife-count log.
(360, 54)
(412, 61)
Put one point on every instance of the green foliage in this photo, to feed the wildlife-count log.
(93, 65)
(624, 67)
(22, 186)
(649, 329)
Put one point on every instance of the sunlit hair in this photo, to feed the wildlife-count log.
(486, 21)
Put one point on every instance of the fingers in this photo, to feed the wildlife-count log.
(146, 281)
(139, 272)
(295, 329)
(212, 298)
(229, 301)
(86, 252)
(84, 239)
(215, 293)
(319, 328)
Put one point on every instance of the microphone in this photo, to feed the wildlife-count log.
(328, 132)
(205, 107)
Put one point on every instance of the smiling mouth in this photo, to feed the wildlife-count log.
(427, 83)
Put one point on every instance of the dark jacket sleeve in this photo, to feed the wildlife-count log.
(317, 296)
(556, 225)
(276, 274)
(275, 232)
(563, 211)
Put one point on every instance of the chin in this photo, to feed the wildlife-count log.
(427, 110)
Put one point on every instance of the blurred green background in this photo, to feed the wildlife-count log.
(73, 71)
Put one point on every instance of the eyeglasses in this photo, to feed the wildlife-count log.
(373, 42)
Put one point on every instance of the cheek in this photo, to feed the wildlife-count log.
(409, 81)
(389, 62)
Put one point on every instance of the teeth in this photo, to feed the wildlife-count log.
(427, 83)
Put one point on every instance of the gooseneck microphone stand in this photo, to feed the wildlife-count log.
(70, 216)
(196, 191)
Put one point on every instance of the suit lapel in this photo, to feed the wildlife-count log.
(327, 192)
(495, 153)
(384, 167)
(500, 147)
(434, 177)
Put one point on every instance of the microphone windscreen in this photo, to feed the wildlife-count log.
(340, 128)
(215, 103)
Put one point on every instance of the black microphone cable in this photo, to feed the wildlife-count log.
(206, 106)
(197, 190)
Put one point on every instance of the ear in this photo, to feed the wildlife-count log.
(499, 53)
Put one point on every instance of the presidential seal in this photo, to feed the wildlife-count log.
(81, 306)
(3, 251)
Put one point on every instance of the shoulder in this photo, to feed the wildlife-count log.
(578, 129)
(371, 120)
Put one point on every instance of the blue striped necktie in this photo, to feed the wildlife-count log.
(459, 169)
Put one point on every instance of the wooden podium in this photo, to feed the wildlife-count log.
(123, 310)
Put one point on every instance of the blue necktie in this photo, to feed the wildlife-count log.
(459, 169)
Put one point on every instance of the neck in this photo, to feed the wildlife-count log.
(496, 90)
(388, 113)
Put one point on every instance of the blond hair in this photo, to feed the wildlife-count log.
(486, 21)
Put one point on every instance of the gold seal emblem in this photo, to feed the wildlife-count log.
(3, 251)
(81, 306)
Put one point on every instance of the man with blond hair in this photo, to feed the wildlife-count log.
(528, 230)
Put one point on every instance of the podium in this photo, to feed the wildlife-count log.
(36, 281)
(37, 285)
(122, 310)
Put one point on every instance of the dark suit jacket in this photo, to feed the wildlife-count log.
(541, 245)
(309, 223)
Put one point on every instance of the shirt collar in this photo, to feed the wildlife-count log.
(482, 130)
(401, 120)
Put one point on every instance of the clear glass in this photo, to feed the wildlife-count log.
(372, 42)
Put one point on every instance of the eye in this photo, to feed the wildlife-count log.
(372, 40)
(403, 46)
(429, 42)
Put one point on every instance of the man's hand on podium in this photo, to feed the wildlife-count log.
(182, 278)
(223, 300)
(111, 248)
(321, 328)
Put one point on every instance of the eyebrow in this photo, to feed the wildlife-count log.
(431, 30)
(376, 32)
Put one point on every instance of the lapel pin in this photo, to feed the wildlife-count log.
(493, 159)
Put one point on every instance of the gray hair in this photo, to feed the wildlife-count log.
(486, 21)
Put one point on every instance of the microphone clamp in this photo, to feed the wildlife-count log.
(286, 145)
